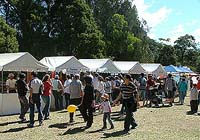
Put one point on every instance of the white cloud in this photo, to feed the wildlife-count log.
(176, 32)
(152, 18)
(192, 23)
(196, 34)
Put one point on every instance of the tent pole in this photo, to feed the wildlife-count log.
(2, 81)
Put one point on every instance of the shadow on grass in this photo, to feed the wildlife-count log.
(7, 123)
(95, 131)
(115, 134)
(74, 130)
(63, 125)
(63, 111)
(117, 118)
(59, 125)
(14, 130)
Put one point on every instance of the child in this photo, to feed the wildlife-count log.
(194, 99)
(105, 105)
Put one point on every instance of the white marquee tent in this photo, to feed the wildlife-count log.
(132, 67)
(100, 65)
(68, 63)
(22, 61)
(153, 68)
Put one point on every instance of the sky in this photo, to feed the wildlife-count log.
(170, 18)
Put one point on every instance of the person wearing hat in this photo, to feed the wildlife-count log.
(10, 83)
(129, 95)
(22, 89)
(106, 107)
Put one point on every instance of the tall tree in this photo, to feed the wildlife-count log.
(182, 45)
(76, 30)
(120, 41)
(8, 40)
(167, 56)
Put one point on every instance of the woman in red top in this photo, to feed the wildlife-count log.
(150, 86)
(46, 96)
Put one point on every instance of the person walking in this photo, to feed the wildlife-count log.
(88, 102)
(22, 89)
(130, 98)
(36, 86)
(170, 88)
(46, 96)
(66, 90)
(106, 107)
(142, 87)
(76, 93)
(182, 88)
(57, 92)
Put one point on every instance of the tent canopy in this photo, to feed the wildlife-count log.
(132, 67)
(172, 68)
(153, 68)
(100, 65)
(22, 61)
(59, 63)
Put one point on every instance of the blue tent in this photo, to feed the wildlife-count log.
(185, 69)
(172, 68)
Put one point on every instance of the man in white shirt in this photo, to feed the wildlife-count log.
(36, 86)
(66, 90)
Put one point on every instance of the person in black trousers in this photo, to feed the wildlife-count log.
(22, 89)
(130, 99)
(88, 102)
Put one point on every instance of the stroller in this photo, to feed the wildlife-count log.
(156, 96)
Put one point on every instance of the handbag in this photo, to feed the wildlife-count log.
(41, 90)
(134, 107)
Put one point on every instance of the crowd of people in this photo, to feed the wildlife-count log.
(91, 91)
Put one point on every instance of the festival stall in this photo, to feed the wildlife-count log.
(23, 61)
(69, 64)
(100, 65)
(129, 67)
(154, 69)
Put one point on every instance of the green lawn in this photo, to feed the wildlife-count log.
(165, 123)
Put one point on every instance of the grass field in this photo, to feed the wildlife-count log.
(165, 123)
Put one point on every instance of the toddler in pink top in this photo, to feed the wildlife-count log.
(106, 107)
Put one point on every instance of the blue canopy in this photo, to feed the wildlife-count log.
(172, 68)
(185, 69)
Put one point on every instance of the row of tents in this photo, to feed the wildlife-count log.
(24, 61)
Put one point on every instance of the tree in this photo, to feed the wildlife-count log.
(75, 30)
(167, 56)
(182, 45)
(120, 42)
(8, 41)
